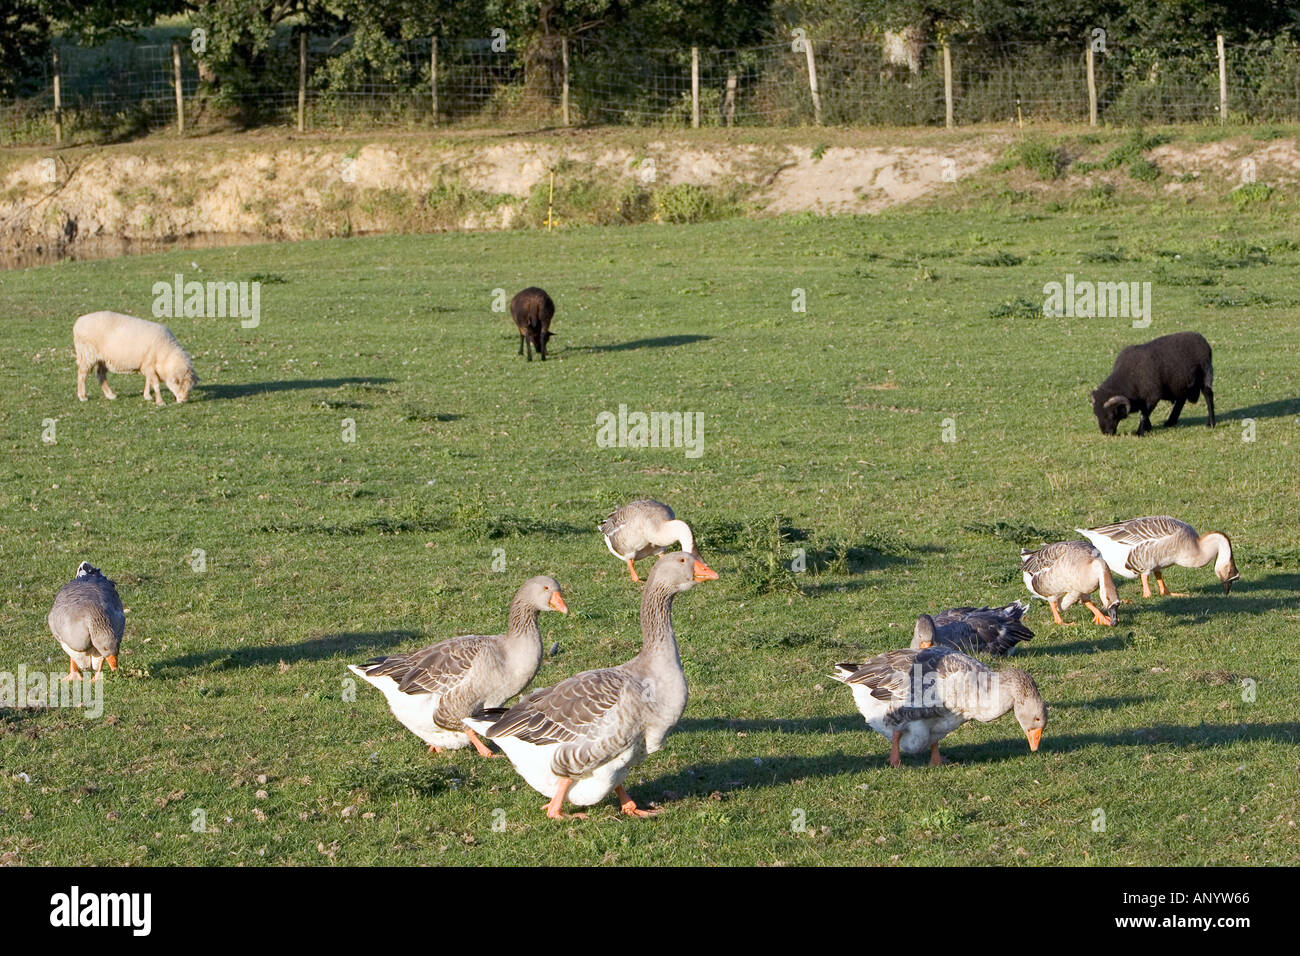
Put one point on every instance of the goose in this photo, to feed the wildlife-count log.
(971, 630)
(432, 689)
(1146, 546)
(1065, 572)
(577, 741)
(87, 620)
(915, 698)
(643, 528)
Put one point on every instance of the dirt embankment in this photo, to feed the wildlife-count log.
(299, 190)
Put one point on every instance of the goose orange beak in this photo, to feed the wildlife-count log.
(112, 661)
(925, 644)
(703, 572)
(558, 604)
(1034, 735)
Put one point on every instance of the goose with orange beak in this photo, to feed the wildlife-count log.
(578, 740)
(915, 698)
(433, 689)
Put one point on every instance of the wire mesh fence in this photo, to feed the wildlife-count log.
(424, 82)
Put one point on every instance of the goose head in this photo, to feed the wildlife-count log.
(543, 593)
(923, 634)
(1225, 568)
(85, 568)
(679, 571)
(1031, 712)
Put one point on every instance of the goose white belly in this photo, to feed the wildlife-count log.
(1113, 553)
(533, 762)
(918, 735)
(83, 659)
(415, 711)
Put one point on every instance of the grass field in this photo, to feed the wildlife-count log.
(823, 430)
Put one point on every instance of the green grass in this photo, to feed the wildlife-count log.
(822, 431)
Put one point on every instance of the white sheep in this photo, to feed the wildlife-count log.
(113, 342)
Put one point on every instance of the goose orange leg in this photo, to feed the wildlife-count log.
(895, 758)
(1164, 588)
(1146, 583)
(554, 809)
(478, 744)
(632, 570)
(935, 759)
(74, 672)
(628, 805)
(1056, 615)
(1097, 616)
(434, 749)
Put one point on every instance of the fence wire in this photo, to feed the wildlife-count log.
(125, 88)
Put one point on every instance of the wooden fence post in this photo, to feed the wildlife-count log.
(58, 100)
(564, 92)
(947, 86)
(729, 104)
(812, 81)
(433, 76)
(1092, 87)
(1223, 82)
(695, 87)
(302, 81)
(180, 89)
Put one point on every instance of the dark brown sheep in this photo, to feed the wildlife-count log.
(1174, 368)
(532, 310)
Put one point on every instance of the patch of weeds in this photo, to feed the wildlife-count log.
(1098, 196)
(1166, 276)
(818, 152)
(941, 821)
(1266, 132)
(1039, 157)
(998, 259)
(1128, 153)
(376, 780)
(267, 278)
(1024, 535)
(1144, 171)
(763, 568)
(1249, 194)
(1235, 300)
(1017, 308)
(1104, 255)
(686, 202)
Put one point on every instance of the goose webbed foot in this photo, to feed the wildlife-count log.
(628, 805)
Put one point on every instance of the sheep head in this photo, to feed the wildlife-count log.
(1110, 410)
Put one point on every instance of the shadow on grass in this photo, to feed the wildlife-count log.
(1278, 409)
(217, 392)
(356, 646)
(662, 342)
(1248, 597)
(1102, 642)
(779, 725)
(705, 779)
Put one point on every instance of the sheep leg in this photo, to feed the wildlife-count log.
(1172, 420)
(82, 372)
(101, 372)
(157, 393)
(1144, 425)
(530, 348)
(1209, 403)
(521, 344)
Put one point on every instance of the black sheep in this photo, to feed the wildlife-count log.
(532, 310)
(1175, 368)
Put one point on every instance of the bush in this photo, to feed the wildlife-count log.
(687, 202)
(1250, 193)
(1039, 157)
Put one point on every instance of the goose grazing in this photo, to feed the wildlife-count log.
(974, 630)
(87, 620)
(1066, 572)
(577, 741)
(915, 698)
(433, 689)
(1145, 546)
(643, 528)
